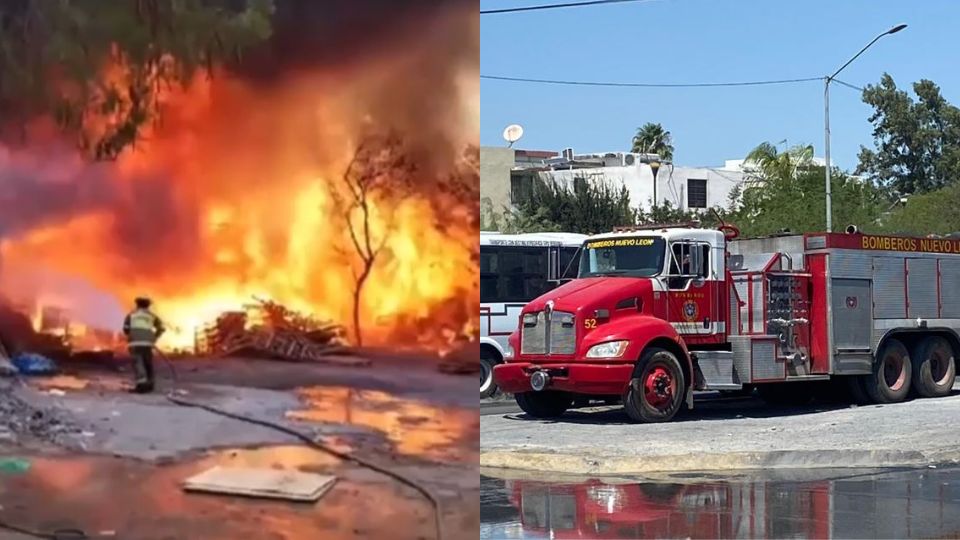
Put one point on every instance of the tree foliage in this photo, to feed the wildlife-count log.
(765, 161)
(653, 139)
(916, 143)
(928, 213)
(98, 67)
(786, 191)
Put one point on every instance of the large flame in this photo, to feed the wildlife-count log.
(228, 197)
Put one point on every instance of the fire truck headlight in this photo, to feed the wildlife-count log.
(508, 352)
(610, 349)
(529, 319)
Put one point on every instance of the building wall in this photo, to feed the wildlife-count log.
(672, 182)
(495, 166)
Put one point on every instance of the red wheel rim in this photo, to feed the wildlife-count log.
(659, 387)
(893, 373)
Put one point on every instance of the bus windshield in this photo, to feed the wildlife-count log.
(629, 256)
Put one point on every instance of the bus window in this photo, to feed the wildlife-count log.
(489, 280)
(512, 274)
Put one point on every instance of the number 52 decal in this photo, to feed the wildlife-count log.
(589, 323)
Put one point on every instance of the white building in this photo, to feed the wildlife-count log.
(507, 177)
(689, 188)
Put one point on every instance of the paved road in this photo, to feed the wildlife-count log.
(915, 503)
(726, 434)
(488, 408)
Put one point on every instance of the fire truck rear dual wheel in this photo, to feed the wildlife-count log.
(657, 389)
(934, 369)
(892, 373)
(545, 404)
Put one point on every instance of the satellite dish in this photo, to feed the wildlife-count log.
(512, 133)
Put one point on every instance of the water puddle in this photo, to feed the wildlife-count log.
(412, 428)
(905, 504)
(74, 383)
(133, 499)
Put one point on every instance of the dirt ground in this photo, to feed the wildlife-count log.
(119, 473)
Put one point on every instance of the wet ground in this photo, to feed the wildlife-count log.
(141, 448)
(915, 503)
(122, 498)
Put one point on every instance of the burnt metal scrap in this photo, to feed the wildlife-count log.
(270, 330)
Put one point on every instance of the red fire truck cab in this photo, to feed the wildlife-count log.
(657, 313)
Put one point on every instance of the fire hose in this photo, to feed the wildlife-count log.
(310, 441)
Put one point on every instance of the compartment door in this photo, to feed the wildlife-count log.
(852, 325)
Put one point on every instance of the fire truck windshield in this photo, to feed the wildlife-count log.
(628, 256)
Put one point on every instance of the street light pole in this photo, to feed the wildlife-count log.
(654, 167)
(826, 116)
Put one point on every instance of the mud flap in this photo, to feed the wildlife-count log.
(689, 397)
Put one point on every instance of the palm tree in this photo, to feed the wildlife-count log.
(768, 163)
(653, 139)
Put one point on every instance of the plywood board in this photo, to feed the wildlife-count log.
(268, 483)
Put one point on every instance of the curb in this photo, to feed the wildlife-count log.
(568, 463)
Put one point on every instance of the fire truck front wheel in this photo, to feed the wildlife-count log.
(892, 373)
(548, 404)
(488, 360)
(934, 369)
(656, 391)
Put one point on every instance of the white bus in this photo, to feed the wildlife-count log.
(514, 269)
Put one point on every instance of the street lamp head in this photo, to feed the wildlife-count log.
(896, 29)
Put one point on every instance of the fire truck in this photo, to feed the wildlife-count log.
(658, 313)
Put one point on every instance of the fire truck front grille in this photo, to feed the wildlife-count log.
(554, 336)
(563, 335)
(533, 336)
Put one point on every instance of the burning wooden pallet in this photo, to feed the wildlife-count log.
(280, 334)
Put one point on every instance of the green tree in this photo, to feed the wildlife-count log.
(54, 57)
(653, 139)
(585, 207)
(765, 161)
(785, 191)
(916, 143)
(928, 213)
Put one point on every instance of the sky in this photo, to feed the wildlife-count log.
(690, 41)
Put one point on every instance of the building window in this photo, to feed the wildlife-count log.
(696, 193)
(521, 188)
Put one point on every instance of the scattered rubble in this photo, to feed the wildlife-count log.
(20, 421)
(270, 330)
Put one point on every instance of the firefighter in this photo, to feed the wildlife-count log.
(142, 329)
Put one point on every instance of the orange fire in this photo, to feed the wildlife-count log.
(228, 197)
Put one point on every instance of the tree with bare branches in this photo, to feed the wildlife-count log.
(377, 180)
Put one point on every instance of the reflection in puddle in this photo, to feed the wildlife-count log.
(143, 501)
(413, 428)
(911, 504)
